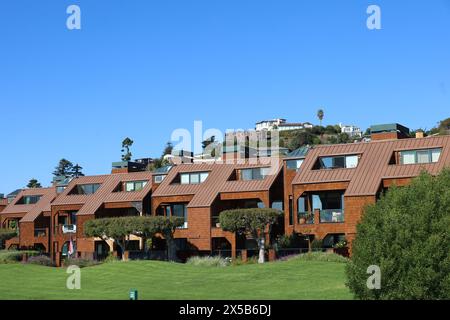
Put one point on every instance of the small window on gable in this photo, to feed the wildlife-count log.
(132, 186)
(337, 162)
(193, 177)
(29, 199)
(420, 156)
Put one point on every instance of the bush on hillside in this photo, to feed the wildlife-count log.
(407, 235)
(215, 261)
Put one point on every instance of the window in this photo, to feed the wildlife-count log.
(193, 178)
(158, 178)
(328, 200)
(175, 210)
(85, 189)
(277, 205)
(133, 186)
(420, 156)
(254, 174)
(338, 162)
(29, 200)
(294, 164)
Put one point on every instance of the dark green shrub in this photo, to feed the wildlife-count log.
(406, 234)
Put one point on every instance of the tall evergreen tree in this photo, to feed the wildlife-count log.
(126, 153)
(33, 183)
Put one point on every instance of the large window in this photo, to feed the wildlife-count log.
(29, 199)
(294, 164)
(85, 189)
(132, 186)
(175, 210)
(420, 156)
(338, 162)
(254, 173)
(331, 206)
(193, 178)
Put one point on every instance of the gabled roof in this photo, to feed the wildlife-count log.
(105, 194)
(32, 211)
(217, 182)
(373, 165)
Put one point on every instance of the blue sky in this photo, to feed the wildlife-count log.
(144, 68)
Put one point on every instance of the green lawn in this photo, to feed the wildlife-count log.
(293, 279)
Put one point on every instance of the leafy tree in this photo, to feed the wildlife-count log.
(150, 225)
(167, 149)
(256, 222)
(332, 129)
(33, 183)
(301, 138)
(117, 229)
(77, 171)
(6, 234)
(64, 168)
(320, 115)
(126, 153)
(120, 229)
(406, 233)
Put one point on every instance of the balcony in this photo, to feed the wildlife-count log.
(332, 216)
(40, 232)
(305, 218)
(215, 222)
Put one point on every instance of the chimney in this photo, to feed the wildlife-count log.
(391, 131)
(420, 134)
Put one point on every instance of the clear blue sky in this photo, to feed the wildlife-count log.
(144, 68)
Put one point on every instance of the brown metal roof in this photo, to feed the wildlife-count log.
(3, 202)
(216, 183)
(105, 194)
(31, 211)
(373, 165)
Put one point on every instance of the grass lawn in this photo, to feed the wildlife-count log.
(293, 279)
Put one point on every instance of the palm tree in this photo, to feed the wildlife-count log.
(320, 115)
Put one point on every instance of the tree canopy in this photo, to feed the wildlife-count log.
(34, 183)
(255, 221)
(119, 229)
(126, 153)
(406, 234)
(65, 168)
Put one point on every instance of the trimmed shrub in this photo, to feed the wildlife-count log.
(322, 256)
(14, 256)
(215, 261)
(41, 260)
(406, 234)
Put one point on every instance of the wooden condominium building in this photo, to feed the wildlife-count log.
(94, 197)
(199, 192)
(327, 196)
(29, 214)
(322, 190)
